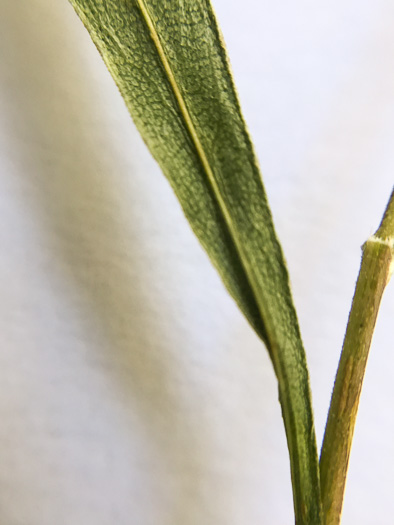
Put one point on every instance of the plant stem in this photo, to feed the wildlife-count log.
(375, 272)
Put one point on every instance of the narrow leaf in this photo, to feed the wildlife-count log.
(169, 62)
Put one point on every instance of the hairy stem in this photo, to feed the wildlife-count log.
(375, 272)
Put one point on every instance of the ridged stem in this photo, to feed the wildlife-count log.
(376, 268)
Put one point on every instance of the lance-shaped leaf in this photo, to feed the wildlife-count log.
(169, 62)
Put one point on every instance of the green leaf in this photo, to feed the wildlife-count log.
(169, 62)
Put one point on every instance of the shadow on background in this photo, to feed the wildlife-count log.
(80, 201)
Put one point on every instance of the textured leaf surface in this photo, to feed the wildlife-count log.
(168, 60)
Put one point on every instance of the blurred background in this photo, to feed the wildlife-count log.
(132, 389)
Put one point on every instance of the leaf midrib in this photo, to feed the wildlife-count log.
(200, 152)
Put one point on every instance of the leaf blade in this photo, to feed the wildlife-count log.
(170, 64)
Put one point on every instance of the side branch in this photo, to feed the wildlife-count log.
(376, 268)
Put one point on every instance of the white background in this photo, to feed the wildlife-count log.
(132, 390)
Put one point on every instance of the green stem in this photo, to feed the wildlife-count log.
(375, 272)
